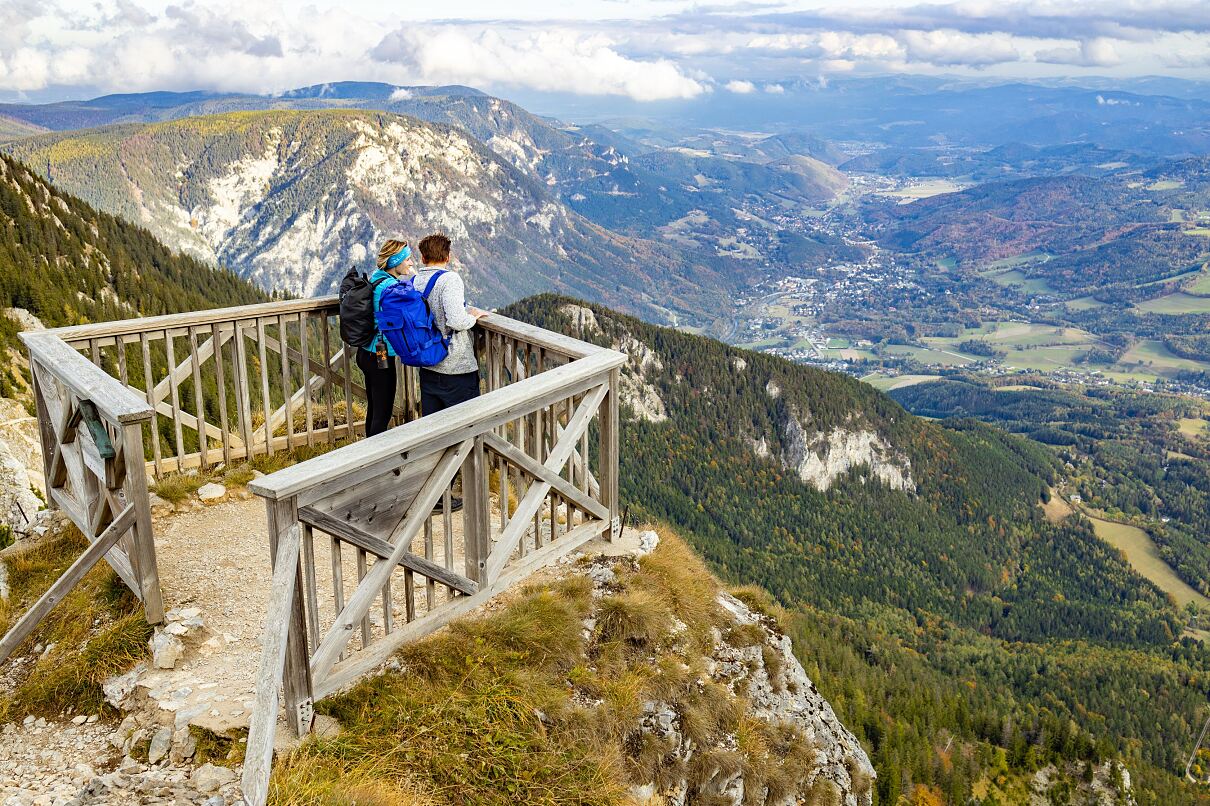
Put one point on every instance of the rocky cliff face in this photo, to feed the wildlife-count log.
(820, 457)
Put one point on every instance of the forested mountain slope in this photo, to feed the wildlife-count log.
(914, 558)
(291, 199)
(67, 263)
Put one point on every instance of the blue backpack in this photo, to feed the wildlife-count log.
(407, 322)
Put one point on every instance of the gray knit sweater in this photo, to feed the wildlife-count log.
(448, 304)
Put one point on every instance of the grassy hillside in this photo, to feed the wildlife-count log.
(954, 611)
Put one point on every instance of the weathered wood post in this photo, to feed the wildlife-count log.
(296, 676)
(608, 420)
(475, 503)
(135, 490)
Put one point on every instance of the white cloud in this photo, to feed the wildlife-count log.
(552, 60)
(400, 94)
(668, 50)
(775, 89)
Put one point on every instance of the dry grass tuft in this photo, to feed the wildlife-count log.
(176, 487)
(97, 631)
(477, 713)
(637, 617)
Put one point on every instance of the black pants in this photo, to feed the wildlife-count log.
(380, 391)
(439, 391)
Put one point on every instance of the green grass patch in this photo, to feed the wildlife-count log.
(1202, 284)
(1178, 303)
(97, 631)
(1144, 556)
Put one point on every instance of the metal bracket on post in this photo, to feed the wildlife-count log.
(306, 715)
(615, 528)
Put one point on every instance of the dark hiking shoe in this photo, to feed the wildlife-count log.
(455, 505)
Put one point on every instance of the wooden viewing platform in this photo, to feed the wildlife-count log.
(122, 400)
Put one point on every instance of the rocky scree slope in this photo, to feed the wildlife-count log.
(292, 199)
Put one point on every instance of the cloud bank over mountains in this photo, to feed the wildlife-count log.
(678, 50)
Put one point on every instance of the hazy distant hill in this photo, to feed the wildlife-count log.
(291, 199)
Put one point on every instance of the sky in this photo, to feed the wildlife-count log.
(645, 50)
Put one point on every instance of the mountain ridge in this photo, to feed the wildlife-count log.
(291, 199)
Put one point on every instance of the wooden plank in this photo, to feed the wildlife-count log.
(325, 331)
(199, 403)
(338, 580)
(142, 538)
(116, 403)
(46, 432)
(258, 758)
(125, 327)
(266, 401)
(430, 587)
(388, 615)
(304, 333)
(243, 396)
(296, 676)
(63, 585)
(352, 464)
(220, 375)
(155, 423)
(367, 660)
(383, 550)
(348, 382)
(361, 575)
(536, 494)
(543, 473)
(287, 384)
(378, 504)
(476, 523)
(123, 370)
(174, 395)
(608, 432)
(360, 601)
(308, 549)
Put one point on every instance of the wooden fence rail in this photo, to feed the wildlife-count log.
(399, 562)
(91, 429)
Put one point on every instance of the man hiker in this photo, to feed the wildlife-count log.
(456, 378)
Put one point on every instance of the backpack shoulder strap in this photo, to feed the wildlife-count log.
(428, 289)
(376, 282)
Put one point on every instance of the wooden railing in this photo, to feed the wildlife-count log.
(92, 452)
(533, 486)
(121, 399)
(254, 379)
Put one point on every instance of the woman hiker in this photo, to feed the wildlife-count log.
(377, 359)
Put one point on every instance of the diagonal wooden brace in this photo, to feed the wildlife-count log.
(536, 494)
(371, 586)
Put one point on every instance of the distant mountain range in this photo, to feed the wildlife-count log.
(292, 199)
(290, 190)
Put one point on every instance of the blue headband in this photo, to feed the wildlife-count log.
(403, 254)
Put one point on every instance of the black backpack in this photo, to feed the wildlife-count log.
(357, 325)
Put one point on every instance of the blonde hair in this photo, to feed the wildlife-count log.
(389, 247)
